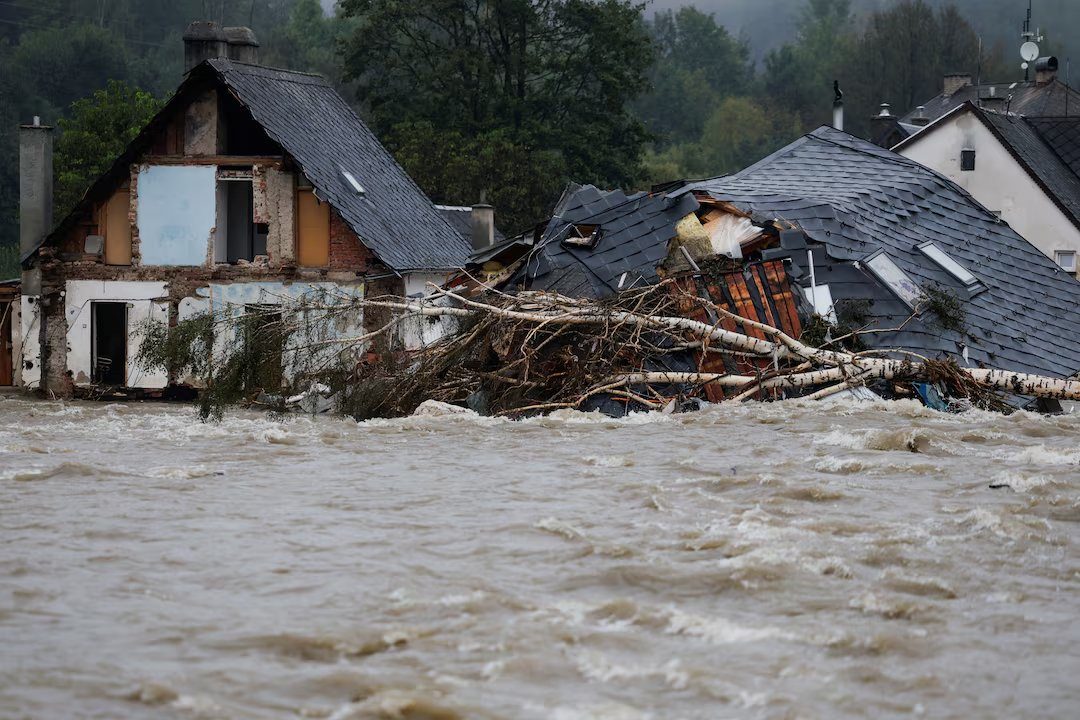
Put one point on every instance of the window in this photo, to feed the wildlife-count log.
(1066, 259)
(967, 160)
(313, 229)
(238, 236)
(894, 278)
(932, 251)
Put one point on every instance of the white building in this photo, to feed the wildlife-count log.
(1024, 169)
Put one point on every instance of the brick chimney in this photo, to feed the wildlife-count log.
(35, 191)
(1046, 70)
(205, 39)
(955, 81)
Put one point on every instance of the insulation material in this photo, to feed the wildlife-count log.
(177, 213)
(728, 232)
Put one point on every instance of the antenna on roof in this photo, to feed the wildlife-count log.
(1030, 49)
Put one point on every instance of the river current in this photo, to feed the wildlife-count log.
(786, 560)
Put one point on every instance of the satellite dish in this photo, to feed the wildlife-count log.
(1029, 51)
(1023, 66)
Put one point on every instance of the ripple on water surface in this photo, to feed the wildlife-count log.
(781, 560)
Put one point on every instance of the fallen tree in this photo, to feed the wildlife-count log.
(534, 352)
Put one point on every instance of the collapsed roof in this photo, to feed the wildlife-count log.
(868, 216)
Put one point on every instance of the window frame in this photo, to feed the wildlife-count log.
(1058, 253)
(913, 302)
(965, 155)
(974, 281)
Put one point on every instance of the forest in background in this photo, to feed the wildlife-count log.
(513, 98)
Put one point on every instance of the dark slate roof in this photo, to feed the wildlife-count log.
(635, 231)
(1028, 98)
(307, 117)
(1062, 134)
(1044, 165)
(855, 198)
(460, 218)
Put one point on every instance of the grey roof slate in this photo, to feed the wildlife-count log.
(1026, 144)
(635, 231)
(1062, 134)
(855, 198)
(311, 121)
(1028, 98)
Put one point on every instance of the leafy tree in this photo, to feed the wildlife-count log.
(553, 79)
(94, 134)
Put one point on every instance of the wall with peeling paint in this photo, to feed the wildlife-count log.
(144, 299)
(30, 340)
(176, 213)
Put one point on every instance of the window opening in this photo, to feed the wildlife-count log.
(1066, 259)
(108, 331)
(967, 160)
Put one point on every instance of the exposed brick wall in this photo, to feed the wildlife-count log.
(346, 250)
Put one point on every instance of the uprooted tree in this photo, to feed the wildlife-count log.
(526, 353)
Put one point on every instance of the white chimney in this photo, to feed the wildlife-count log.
(838, 107)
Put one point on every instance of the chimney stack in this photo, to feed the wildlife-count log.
(35, 187)
(483, 226)
(955, 81)
(920, 118)
(838, 106)
(205, 39)
(1046, 70)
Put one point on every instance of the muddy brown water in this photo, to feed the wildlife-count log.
(766, 561)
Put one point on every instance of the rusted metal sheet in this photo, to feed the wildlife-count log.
(760, 292)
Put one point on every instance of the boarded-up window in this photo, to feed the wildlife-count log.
(313, 229)
(118, 229)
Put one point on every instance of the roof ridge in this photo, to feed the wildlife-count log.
(271, 67)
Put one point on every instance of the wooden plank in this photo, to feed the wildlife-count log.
(117, 228)
(313, 230)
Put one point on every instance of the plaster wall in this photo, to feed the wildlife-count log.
(177, 213)
(29, 340)
(144, 300)
(417, 333)
(998, 182)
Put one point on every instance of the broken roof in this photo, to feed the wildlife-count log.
(313, 124)
(1054, 98)
(633, 233)
(857, 199)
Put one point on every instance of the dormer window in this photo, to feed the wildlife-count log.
(939, 256)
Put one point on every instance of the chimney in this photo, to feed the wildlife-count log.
(243, 47)
(920, 118)
(1046, 70)
(880, 125)
(483, 226)
(955, 81)
(35, 187)
(838, 106)
(205, 39)
(990, 100)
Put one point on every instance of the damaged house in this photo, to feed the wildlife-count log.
(251, 186)
(831, 226)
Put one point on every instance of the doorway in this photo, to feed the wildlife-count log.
(108, 338)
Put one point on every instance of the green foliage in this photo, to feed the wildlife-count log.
(947, 307)
(94, 134)
(550, 80)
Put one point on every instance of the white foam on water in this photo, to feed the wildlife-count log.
(718, 630)
(598, 667)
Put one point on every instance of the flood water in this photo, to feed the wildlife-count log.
(789, 560)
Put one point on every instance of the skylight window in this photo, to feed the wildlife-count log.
(889, 273)
(958, 271)
(356, 186)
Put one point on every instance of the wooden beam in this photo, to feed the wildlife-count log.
(248, 160)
